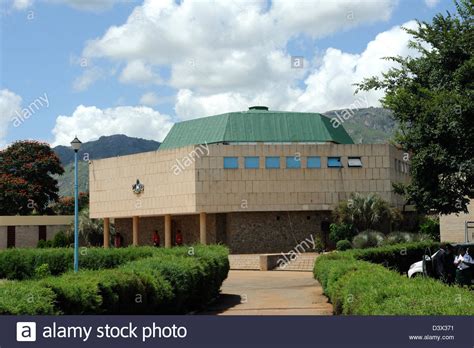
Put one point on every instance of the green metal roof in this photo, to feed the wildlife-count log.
(256, 125)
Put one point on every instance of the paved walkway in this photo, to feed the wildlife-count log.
(270, 293)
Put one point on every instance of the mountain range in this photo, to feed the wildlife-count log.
(365, 126)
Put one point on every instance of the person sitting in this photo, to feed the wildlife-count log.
(463, 264)
(179, 238)
(156, 239)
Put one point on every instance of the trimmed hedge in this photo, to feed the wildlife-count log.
(20, 264)
(398, 257)
(170, 281)
(358, 287)
(27, 297)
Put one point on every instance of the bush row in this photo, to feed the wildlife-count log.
(171, 281)
(360, 288)
(20, 264)
(398, 257)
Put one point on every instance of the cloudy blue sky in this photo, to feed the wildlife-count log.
(101, 67)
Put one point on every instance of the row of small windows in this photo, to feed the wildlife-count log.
(292, 162)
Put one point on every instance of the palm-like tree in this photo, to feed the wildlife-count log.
(364, 212)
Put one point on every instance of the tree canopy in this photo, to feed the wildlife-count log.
(431, 96)
(26, 182)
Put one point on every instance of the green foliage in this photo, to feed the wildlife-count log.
(340, 231)
(65, 205)
(431, 228)
(91, 231)
(364, 212)
(173, 280)
(42, 271)
(26, 298)
(368, 239)
(319, 246)
(21, 263)
(26, 184)
(361, 288)
(431, 95)
(62, 239)
(398, 257)
(44, 244)
(343, 245)
(398, 237)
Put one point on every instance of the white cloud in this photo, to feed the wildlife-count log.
(9, 103)
(328, 86)
(88, 77)
(90, 122)
(138, 72)
(222, 46)
(150, 99)
(82, 5)
(432, 3)
(22, 4)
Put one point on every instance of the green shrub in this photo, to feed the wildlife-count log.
(343, 245)
(62, 240)
(340, 231)
(20, 264)
(42, 271)
(361, 288)
(169, 281)
(319, 246)
(368, 239)
(399, 256)
(26, 298)
(405, 237)
(431, 228)
(44, 244)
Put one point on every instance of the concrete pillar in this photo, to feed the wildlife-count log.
(135, 231)
(168, 231)
(106, 233)
(202, 228)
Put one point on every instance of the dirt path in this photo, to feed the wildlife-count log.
(271, 293)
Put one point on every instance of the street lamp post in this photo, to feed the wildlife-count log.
(76, 145)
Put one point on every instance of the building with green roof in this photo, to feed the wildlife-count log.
(260, 181)
(258, 124)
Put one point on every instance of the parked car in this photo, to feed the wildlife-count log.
(426, 266)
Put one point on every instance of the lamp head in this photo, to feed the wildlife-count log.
(76, 144)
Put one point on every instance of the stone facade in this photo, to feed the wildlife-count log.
(253, 232)
(26, 229)
(259, 210)
(453, 226)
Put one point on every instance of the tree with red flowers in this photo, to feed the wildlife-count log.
(26, 182)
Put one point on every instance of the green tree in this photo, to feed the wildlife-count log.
(364, 212)
(26, 184)
(431, 96)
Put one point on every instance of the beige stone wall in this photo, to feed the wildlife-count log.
(270, 232)
(3, 237)
(167, 190)
(188, 224)
(452, 226)
(205, 186)
(26, 236)
(227, 190)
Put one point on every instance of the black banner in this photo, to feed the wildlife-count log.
(235, 331)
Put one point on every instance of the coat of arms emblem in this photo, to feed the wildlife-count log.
(138, 187)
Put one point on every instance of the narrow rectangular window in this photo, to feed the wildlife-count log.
(272, 162)
(231, 162)
(334, 162)
(11, 237)
(293, 162)
(41, 232)
(252, 162)
(354, 162)
(313, 162)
